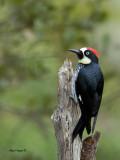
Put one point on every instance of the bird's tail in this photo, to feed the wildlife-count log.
(79, 128)
(94, 123)
(88, 125)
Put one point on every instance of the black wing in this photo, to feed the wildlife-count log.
(89, 88)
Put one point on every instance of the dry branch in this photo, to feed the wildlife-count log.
(89, 147)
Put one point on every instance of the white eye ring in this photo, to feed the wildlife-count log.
(87, 53)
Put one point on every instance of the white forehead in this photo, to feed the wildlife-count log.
(83, 49)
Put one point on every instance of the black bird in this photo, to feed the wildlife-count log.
(87, 89)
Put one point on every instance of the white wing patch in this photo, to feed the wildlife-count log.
(80, 99)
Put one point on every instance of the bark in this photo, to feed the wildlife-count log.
(65, 118)
(89, 147)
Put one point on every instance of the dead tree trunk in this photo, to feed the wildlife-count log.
(65, 118)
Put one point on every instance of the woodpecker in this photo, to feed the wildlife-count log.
(87, 89)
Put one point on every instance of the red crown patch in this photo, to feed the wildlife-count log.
(94, 51)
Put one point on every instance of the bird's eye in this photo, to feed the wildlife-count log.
(87, 53)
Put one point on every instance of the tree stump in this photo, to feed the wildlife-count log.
(65, 118)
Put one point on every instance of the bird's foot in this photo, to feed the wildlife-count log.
(69, 94)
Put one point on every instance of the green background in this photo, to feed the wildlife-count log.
(35, 36)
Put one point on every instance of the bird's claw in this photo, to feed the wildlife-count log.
(70, 95)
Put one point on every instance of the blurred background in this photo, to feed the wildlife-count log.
(34, 40)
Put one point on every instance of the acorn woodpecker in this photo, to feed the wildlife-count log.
(87, 89)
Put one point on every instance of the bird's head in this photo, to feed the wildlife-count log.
(86, 55)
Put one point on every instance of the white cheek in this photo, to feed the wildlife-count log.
(85, 60)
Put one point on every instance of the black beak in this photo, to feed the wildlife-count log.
(74, 50)
(78, 52)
